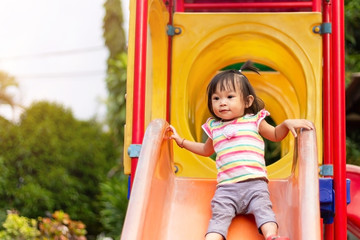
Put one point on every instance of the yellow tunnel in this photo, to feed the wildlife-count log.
(209, 42)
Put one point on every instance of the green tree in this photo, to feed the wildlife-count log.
(114, 34)
(352, 65)
(114, 189)
(352, 37)
(52, 161)
(7, 82)
(114, 202)
(116, 73)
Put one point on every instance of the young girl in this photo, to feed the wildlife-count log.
(234, 133)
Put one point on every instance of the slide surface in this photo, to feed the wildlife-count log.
(164, 206)
(353, 209)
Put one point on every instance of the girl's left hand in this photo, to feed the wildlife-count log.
(293, 124)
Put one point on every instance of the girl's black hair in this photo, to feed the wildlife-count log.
(228, 78)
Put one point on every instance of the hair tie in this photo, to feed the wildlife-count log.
(239, 70)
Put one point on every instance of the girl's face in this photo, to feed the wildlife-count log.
(229, 104)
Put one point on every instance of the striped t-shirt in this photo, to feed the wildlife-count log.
(239, 148)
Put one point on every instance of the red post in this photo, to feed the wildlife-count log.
(248, 5)
(327, 102)
(139, 78)
(327, 88)
(339, 147)
(170, 10)
(240, 5)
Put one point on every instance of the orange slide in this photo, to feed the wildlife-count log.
(164, 206)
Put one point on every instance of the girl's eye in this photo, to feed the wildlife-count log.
(215, 98)
(231, 96)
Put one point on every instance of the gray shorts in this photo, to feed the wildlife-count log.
(249, 197)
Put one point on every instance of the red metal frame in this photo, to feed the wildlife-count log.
(169, 8)
(339, 133)
(139, 78)
(327, 103)
(182, 6)
(327, 87)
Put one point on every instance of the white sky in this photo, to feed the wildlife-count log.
(55, 50)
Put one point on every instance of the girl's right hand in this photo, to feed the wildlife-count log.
(175, 136)
(203, 149)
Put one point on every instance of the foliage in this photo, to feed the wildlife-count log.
(352, 37)
(114, 204)
(19, 228)
(116, 82)
(6, 83)
(116, 74)
(114, 33)
(352, 24)
(61, 227)
(272, 149)
(352, 65)
(114, 190)
(353, 146)
(352, 152)
(52, 161)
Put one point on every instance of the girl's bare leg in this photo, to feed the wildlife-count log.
(214, 236)
(269, 229)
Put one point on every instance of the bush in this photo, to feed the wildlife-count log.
(52, 161)
(352, 152)
(60, 226)
(114, 204)
(19, 228)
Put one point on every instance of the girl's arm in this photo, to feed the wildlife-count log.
(279, 132)
(203, 149)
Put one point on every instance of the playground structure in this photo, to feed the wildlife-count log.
(175, 47)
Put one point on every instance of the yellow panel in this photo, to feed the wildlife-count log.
(157, 62)
(156, 65)
(210, 41)
(129, 89)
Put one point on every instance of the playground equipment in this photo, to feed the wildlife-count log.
(174, 50)
(169, 207)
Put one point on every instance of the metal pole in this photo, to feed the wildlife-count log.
(327, 87)
(139, 78)
(339, 147)
(168, 89)
(327, 102)
(194, 6)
